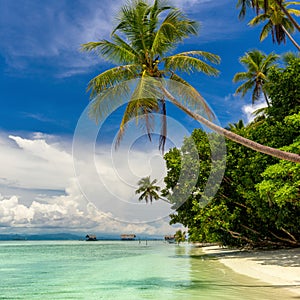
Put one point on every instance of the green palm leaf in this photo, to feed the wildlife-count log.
(142, 104)
(189, 62)
(188, 95)
(111, 77)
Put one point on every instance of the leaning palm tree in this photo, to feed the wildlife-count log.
(257, 66)
(264, 5)
(277, 23)
(148, 190)
(141, 44)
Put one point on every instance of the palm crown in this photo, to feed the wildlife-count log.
(148, 190)
(276, 21)
(258, 65)
(141, 43)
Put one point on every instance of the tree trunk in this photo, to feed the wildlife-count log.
(290, 37)
(266, 98)
(233, 136)
(297, 26)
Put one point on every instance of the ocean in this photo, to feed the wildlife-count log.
(120, 270)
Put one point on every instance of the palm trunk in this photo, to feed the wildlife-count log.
(233, 136)
(266, 98)
(290, 37)
(288, 14)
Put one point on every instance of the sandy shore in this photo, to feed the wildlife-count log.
(278, 267)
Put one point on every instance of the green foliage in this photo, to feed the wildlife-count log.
(281, 181)
(284, 90)
(258, 202)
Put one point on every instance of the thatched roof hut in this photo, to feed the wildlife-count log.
(128, 237)
(90, 237)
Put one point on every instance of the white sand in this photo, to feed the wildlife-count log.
(277, 267)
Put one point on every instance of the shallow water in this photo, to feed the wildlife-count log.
(120, 270)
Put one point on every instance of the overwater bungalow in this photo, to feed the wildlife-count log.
(90, 237)
(128, 237)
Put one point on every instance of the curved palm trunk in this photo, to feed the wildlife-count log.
(288, 14)
(233, 136)
(290, 37)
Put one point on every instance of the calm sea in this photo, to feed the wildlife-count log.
(120, 270)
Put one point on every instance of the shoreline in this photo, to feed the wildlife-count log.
(280, 268)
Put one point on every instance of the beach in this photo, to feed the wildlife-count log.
(280, 268)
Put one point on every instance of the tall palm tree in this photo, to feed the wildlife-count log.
(141, 43)
(144, 55)
(148, 189)
(264, 4)
(257, 65)
(277, 23)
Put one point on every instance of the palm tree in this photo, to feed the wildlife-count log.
(179, 236)
(141, 43)
(257, 65)
(264, 4)
(277, 23)
(148, 189)
(148, 40)
(236, 126)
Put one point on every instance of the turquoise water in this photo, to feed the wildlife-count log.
(120, 270)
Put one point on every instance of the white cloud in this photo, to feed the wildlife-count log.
(34, 164)
(249, 109)
(38, 35)
(34, 31)
(102, 199)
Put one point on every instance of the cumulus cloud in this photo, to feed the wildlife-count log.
(102, 198)
(249, 109)
(34, 164)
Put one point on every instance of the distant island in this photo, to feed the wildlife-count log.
(73, 237)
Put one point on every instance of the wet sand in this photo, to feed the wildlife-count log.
(280, 268)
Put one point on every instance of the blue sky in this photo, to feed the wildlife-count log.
(43, 95)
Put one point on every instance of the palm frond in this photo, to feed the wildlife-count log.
(241, 76)
(258, 19)
(183, 62)
(116, 51)
(142, 104)
(188, 95)
(270, 60)
(244, 88)
(109, 100)
(111, 77)
(265, 31)
(243, 4)
(173, 29)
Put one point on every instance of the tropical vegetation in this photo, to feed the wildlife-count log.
(258, 201)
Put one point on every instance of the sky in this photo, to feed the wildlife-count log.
(60, 171)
